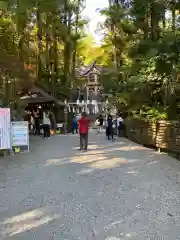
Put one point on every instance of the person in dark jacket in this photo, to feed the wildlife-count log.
(119, 125)
(110, 130)
(36, 116)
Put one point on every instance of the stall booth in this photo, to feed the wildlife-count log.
(38, 99)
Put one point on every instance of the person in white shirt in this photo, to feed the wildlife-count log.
(119, 124)
(46, 125)
(97, 124)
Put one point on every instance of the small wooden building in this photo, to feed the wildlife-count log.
(37, 96)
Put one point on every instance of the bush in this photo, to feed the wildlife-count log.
(152, 113)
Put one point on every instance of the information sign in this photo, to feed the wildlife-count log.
(20, 136)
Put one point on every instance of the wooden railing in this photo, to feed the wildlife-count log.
(161, 134)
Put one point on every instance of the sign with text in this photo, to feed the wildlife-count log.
(5, 128)
(20, 136)
(60, 125)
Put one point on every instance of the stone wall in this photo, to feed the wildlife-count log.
(161, 134)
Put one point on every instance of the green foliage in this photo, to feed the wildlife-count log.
(43, 36)
(146, 54)
(8, 35)
(152, 113)
(88, 52)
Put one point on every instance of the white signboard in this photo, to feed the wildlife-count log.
(5, 128)
(59, 125)
(20, 135)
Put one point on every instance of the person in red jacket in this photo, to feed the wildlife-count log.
(83, 131)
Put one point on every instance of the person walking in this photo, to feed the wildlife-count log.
(119, 124)
(36, 122)
(83, 131)
(101, 121)
(75, 125)
(110, 126)
(46, 125)
(97, 124)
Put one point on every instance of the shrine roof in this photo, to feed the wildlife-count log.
(38, 94)
(85, 70)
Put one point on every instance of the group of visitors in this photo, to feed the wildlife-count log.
(40, 120)
(110, 124)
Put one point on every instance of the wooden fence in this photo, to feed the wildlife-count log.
(161, 134)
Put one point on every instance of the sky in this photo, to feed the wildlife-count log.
(91, 12)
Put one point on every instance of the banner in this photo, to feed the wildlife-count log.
(20, 136)
(5, 128)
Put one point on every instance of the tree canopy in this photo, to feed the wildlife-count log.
(45, 42)
(41, 37)
(143, 41)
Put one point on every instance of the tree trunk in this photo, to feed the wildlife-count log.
(39, 40)
(55, 63)
(67, 51)
(75, 45)
(47, 57)
(146, 27)
(66, 47)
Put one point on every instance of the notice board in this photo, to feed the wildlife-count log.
(20, 136)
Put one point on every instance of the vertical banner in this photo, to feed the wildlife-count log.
(5, 128)
(20, 136)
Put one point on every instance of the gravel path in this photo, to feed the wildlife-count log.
(117, 190)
